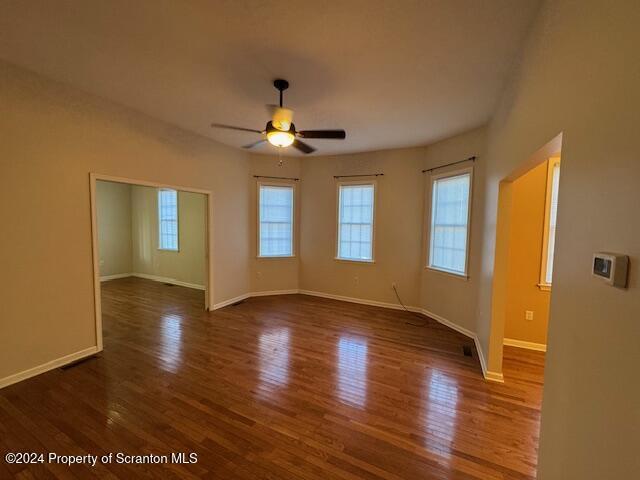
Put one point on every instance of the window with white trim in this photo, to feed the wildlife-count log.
(551, 214)
(355, 221)
(167, 219)
(275, 220)
(449, 223)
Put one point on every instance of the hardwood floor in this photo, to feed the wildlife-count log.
(285, 387)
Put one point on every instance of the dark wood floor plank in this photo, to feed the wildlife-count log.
(277, 387)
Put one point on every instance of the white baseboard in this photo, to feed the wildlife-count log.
(274, 292)
(465, 331)
(45, 367)
(244, 296)
(231, 301)
(487, 374)
(171, 281)
(512, 342)
(362, 301)
(155, 278)
(106, 278)
(494, 376)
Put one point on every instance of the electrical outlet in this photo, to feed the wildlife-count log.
(393, 285)
(356, 279)
(101, 263)
(528, 315)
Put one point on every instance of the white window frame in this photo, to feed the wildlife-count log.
(160, 247)
(551, 164)
(429, 221)
(340, 184)
(293, 186)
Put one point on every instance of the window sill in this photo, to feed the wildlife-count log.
(349, 260)
(272, 257)
(545, 287)
(169, 250)
(461, 276)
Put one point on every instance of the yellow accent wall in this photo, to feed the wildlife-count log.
(526, 228)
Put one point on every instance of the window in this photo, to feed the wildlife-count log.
(275, 229)
(449, 232)
(549, 242)
(168, 219)
(355, 222)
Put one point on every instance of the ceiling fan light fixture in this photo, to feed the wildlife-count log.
(279, 138)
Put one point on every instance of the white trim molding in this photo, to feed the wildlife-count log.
(231, 301)
(494, 376)
(488, 375)
(171, 281)
(274, 292)
(45, 367)
(512, 342)
(155, 278)
(362, 301)
(244, 296)
(116, 276)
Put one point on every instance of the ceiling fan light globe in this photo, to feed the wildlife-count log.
(280, 139)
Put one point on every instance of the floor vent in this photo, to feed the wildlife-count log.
(466, 349)
(237, 303)
(168, 284)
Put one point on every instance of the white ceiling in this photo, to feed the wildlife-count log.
(392, 73)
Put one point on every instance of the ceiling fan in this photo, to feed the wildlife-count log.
(281, 132)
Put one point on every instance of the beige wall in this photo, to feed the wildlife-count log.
(448, 296)
(398, 226)
(526, 234)
(186, 265)
(113, 210)
(579, 75)
(399, 242)
(274, 274)
(52, 137)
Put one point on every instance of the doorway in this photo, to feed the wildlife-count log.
(145, 232)
(524, 258)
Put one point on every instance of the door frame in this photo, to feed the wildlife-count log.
(208, 288)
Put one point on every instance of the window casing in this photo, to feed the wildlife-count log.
(449, 221)
(551, 215)
(275, 220)
(356, 215)
(168, 219)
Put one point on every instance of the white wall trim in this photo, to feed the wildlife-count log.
(239, 298)
(488, 375)
(466, 332)
(172, 281)
(274, 292)
(494, 376)
(226, 303)
(512, 342)
(45, 367)
(362, 301)
(106, 278)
